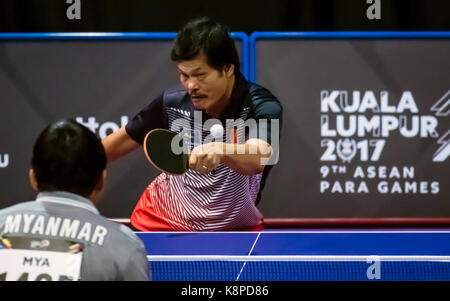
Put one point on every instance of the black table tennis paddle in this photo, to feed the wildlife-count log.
(158, 149)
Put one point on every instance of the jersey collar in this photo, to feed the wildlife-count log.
(238, 98)
(66, 198)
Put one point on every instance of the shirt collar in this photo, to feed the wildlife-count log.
(238, 98)
(66, 198)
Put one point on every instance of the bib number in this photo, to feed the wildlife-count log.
(34, 265)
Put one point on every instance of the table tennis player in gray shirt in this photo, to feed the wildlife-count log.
(61, 235)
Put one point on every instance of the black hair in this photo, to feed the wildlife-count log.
(206, 36)
(67, 156)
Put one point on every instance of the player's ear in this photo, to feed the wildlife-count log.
(229, 70)
(98, 189)
(33, 180)
(101, 182)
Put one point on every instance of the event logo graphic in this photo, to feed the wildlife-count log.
(355, 126)
(442, 109)
(346, 149)
(443, 152)
(4, 160)
(105, 128)
(442, 106)
(366, 115)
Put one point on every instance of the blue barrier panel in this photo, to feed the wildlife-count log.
(102, 79)
(366, 129)
(283, 35)
(237, 36)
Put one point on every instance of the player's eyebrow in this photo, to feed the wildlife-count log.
(196, 70)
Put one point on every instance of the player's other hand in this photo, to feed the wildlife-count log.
(205, 158)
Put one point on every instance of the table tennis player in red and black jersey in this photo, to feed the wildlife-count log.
(226, 174)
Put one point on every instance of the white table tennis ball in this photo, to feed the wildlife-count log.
(216, 130)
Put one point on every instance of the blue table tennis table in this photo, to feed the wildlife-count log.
(297, 255)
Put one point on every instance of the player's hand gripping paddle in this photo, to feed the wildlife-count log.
(157, 148)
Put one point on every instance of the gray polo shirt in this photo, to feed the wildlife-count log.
(110, 251)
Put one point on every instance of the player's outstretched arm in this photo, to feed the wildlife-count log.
(118, 144)
(248, 158)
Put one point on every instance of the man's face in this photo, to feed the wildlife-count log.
(209, 88)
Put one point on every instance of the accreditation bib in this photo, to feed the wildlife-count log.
(37, 259)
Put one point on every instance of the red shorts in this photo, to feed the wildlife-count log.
(145, 219)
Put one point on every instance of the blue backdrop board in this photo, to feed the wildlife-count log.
(101, 79)
(366, 126)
